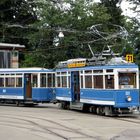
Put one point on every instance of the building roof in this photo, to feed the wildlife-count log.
(8, 46)
(25, 70)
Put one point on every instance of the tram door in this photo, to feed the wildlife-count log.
(75, 86)
(28, 86)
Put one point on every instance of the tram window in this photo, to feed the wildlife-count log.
(127, 80)
(35, 83)
(88, 71)
(98, 81)
(10, 82)
(18, 74)
(64, 81)
(58, 73)
(109, 82)
(88, 81)
(49, 80)
(18, 82)
(81, 81)
(1, 82)
(63, 73)
(53, 84)
(98, 71)
(109, 70)
(42, 80)
(68, 81)
(58, 82)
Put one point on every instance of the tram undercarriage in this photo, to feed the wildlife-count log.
(99, 109)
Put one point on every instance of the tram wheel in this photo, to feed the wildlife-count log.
(64, 105)
(92, 109)
(100, 110)
(17, 103)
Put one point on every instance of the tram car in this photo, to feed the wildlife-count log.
(27, 85)
(108, 89)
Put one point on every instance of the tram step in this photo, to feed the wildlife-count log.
(76, 105)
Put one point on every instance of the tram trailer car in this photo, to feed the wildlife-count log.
(105, 90)
(27, 85)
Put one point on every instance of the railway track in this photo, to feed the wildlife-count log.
(57, 129)
(43, 125)
(135, 120)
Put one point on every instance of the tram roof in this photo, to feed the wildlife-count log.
(26, 70)
(100, 67)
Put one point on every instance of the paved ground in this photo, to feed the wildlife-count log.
(48, 122)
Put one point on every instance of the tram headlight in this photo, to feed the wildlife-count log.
(129, 98)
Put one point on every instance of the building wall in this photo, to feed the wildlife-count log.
(14, 59)
(8, 59)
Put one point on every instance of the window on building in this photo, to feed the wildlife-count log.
(98, 81)
(14, 53)
(5, 59)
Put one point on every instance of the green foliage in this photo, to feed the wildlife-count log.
(74, 23)
(133, 27)
(37, 24)
(14, 16)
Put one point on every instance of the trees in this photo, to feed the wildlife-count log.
(14, 16)
(115, 11)
(77, 24)
(134, 24)
(37, 25)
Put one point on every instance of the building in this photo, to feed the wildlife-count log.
(9, 55)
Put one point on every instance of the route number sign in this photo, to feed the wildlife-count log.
(130, 58)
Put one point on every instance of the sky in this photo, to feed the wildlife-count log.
(125, 7)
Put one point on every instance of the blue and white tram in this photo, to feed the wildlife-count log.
(27, 85)
(105, 89)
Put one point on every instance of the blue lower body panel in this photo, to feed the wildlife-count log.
(43, 94)
(12, 93)
(116, 98)
(122, 95)
(97, 97)
(63, 94)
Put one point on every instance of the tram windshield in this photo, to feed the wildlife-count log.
(127, 80)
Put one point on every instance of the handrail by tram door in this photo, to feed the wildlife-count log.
(27, 87)
(75, 86)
